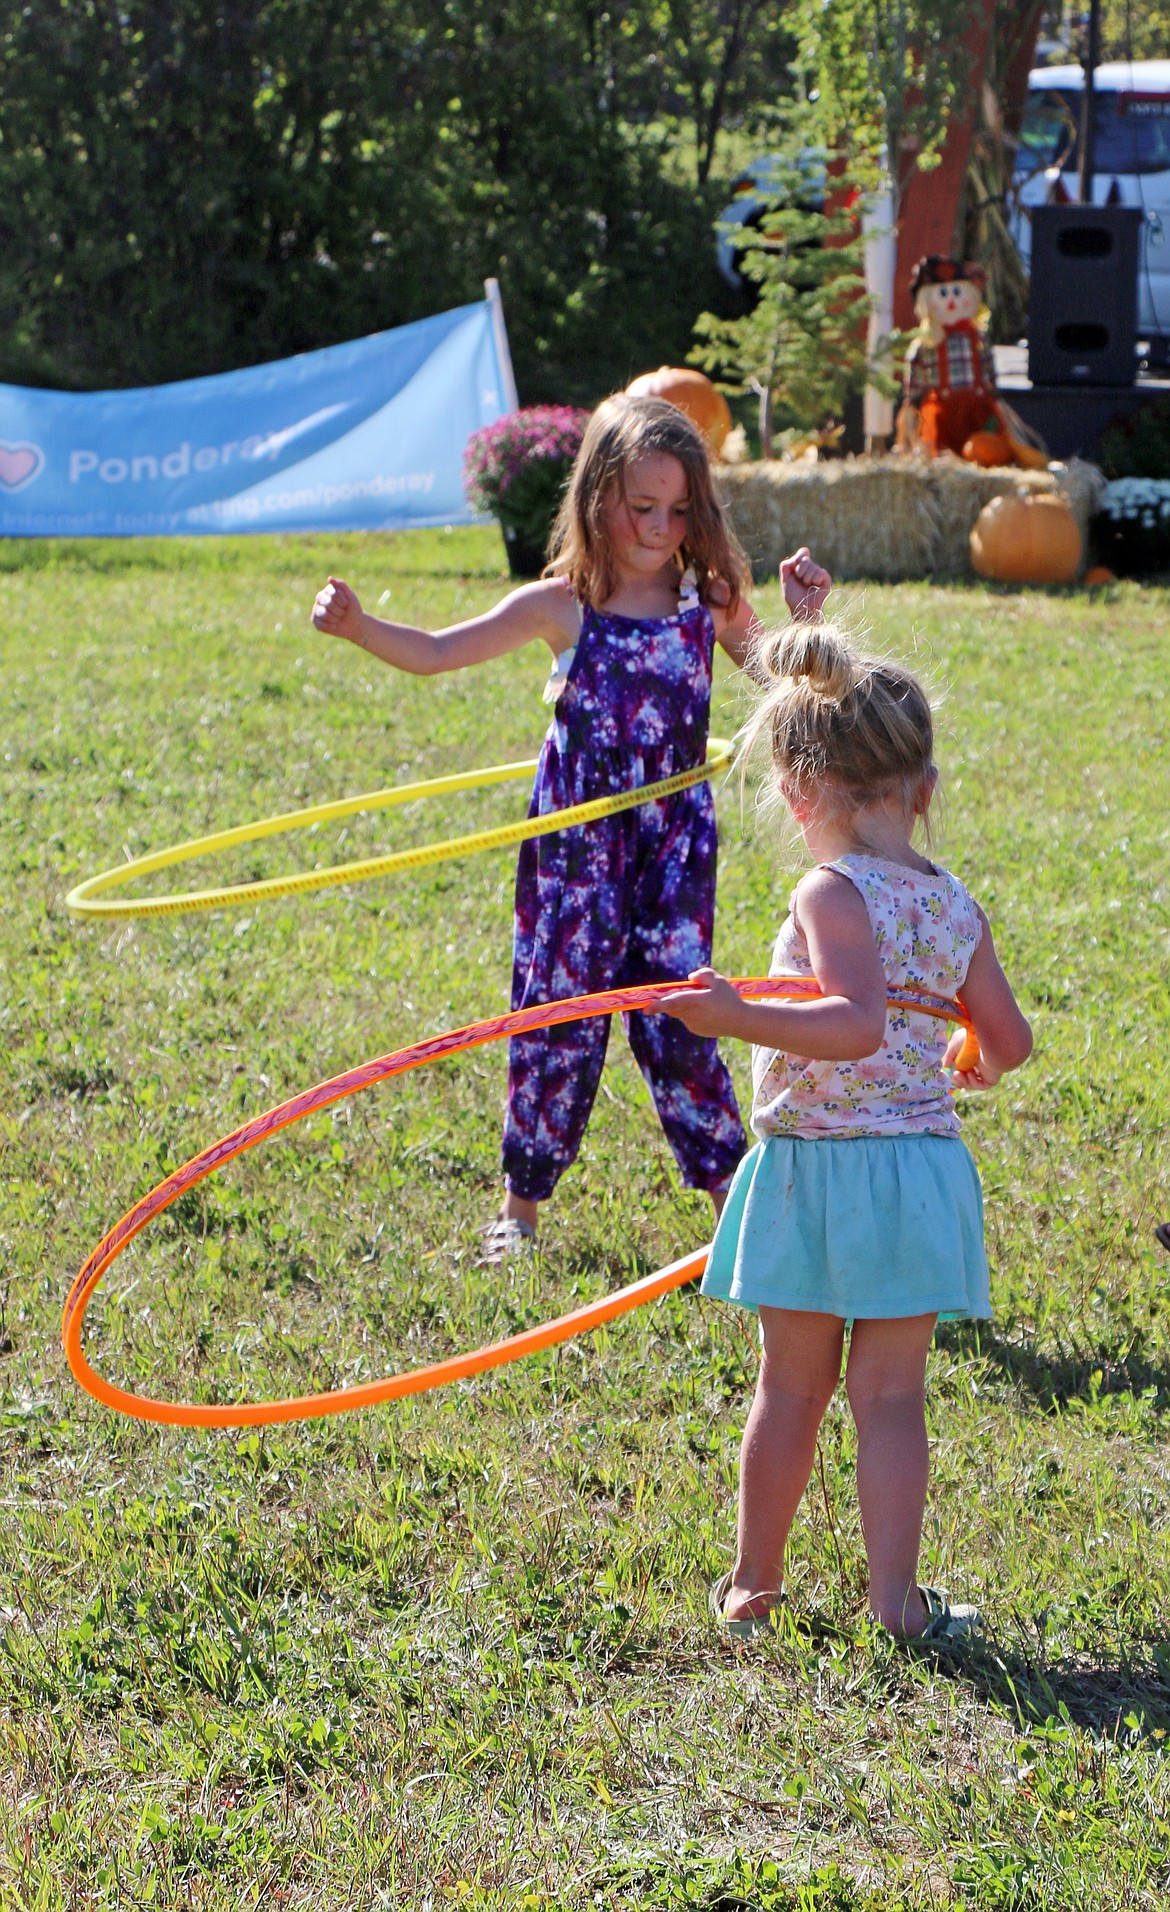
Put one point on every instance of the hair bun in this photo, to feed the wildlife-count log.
(816, 654)
(855, 725)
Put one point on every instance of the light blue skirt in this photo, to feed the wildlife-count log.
(872, 1228)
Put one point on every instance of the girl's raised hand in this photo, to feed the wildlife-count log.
(806, 583)
(338, 611)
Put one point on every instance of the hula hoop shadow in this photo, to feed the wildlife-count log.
(364, 1076)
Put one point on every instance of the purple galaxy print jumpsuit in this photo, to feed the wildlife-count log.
(629, 899)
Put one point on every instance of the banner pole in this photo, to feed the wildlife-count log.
(500, 334)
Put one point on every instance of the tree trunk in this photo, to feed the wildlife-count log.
(764, 394)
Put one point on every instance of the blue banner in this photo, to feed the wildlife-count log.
(361, 437)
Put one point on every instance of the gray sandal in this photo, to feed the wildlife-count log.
(945, 1625)
(753, 1626)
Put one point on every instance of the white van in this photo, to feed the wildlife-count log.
(1131, 165)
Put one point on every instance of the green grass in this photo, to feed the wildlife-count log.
(455, 1651)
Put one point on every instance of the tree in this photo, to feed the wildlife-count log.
(187, 186)
(1134, 30)
(721, 60)
(801, 348)
(985, 207)
(889, 75)
(205, 184)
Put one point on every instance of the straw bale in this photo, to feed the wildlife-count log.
(886, 518)
(865, 517)
(1082, 486)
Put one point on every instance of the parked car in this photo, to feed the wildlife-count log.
(765, 182)
(1131, 165)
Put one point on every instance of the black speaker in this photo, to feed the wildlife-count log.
(1082, 312)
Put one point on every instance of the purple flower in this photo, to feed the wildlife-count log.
(500, 454)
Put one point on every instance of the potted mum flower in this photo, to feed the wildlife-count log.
(518, 469)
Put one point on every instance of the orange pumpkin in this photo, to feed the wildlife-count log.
(987, 449)
(1099, 574)
(1022, 539)
(694, 394)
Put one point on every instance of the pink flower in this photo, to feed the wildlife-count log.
(536, 434)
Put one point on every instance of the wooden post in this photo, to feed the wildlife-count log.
(1091, 61)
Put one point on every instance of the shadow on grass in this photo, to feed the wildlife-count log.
(1127, 1698)
(1054, 1376)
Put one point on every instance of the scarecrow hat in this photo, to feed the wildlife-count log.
(934, 270)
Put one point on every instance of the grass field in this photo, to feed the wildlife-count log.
(455, 1651)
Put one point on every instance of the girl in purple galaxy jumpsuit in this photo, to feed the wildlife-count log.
(645, 580)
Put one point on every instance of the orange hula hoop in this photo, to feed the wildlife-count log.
(457, 1367)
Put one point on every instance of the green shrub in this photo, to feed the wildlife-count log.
(1138, 445)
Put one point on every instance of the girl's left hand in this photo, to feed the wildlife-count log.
(982, 1076)
(710, 1008)
(806, 583)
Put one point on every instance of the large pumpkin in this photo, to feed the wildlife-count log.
(1022, 539)
(693, 393)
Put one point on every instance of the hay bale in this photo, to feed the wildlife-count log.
(885, 518)
(1082, 486)
(864, 517)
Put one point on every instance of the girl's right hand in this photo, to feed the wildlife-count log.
(711, 1008)
(337, 610)
(806, 584)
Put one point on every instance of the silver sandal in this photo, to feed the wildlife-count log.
(504, 1238)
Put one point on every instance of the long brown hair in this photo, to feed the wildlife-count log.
(620, 430)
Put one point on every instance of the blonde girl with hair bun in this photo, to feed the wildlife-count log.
(859, 1203)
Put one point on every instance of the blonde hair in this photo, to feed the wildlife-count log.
(620, 430)
(862, 726)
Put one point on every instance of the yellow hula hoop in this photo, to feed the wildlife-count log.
(81, 901)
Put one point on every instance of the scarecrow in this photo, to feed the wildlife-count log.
(949, 400)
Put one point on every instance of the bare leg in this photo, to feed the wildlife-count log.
(885, 1379)
(799, 1368)
(518, 1208)
(718, 1200)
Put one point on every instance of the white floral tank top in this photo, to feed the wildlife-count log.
(927, 929)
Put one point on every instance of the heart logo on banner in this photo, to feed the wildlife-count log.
(19, 465)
